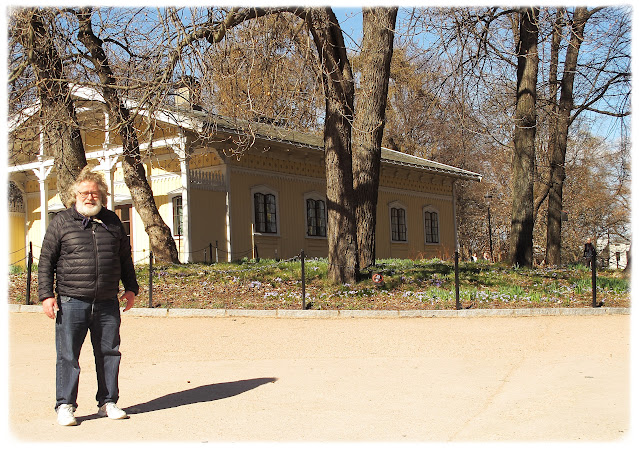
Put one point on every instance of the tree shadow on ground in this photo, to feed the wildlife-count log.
(206, 393)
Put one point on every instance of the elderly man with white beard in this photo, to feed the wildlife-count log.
(85, 254)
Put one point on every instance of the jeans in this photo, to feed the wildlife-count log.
(76, 317)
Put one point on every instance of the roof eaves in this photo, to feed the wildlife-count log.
(401, 159)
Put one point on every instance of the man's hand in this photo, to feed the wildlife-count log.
(50, 306)
(130, 299)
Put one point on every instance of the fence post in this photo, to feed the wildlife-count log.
(150, 279)
(593, 266)
(216, 253)
(457, 302)
(29, 264)
(303, 281)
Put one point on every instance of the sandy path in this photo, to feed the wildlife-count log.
(551, 378)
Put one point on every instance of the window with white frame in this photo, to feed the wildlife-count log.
(264, 210)
(431, 225)
(315, 215)
(398, 222)
(177, 216)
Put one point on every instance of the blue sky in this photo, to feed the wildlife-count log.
(350, 20)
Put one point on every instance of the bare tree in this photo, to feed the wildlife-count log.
(566, 114)
(522, 221)
(35, 30)
(473, 48)
(160, 237)
(339, 91)
(58, 110)
(349, 189)
(370, 120)
(266, 70)
(337, 80)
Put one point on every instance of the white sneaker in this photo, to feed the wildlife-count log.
(111, 411)
(66, 416)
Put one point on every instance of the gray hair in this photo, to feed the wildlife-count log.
(87, 174)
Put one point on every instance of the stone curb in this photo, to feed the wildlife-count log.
(350, 314)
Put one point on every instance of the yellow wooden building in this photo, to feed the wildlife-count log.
(219, 204)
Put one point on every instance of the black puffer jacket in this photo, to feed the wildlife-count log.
(88, 257)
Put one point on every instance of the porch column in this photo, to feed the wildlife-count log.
(42, 174)
(184, 157)
(107, 164)
(107, 130)
(227, 181)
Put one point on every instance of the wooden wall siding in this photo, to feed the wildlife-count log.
(290, 181)
(415, 246)
(208, 224)
(17, 245)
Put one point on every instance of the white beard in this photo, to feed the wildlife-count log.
(89, 210)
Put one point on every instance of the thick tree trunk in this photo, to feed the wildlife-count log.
(370, 118)
(159, 233)
(522, 220)
(58, 117)
(543, 188)
(558, 156)
(339, 89)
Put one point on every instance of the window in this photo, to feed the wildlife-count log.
(177, 216)
(315, 217)
(124, 212)
(398, 224)
(265, 212)
(431, 225)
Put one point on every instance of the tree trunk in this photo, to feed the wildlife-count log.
(522, 220)
(58, 116)
(558, 156)
(339, 89)
(370, 118)
(159, 233)
(541, 192)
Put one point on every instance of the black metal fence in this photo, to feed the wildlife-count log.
(302, 257)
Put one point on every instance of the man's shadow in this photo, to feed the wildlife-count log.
(206, 393)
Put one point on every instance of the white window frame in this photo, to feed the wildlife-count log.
(431, 209)
(397, 205)
(316, 196)
(172, 202)
(266, 190)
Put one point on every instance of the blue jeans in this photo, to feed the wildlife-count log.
(75, 318)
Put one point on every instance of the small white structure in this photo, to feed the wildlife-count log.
(614, 253)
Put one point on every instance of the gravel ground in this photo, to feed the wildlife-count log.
(245, 379)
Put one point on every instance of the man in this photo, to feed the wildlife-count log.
(87, 250)
(589, 253)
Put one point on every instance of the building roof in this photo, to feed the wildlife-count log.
(272, 132)
(200, 121)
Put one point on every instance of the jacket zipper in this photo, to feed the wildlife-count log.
(95, 258)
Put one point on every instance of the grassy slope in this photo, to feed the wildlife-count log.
(406, 285)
